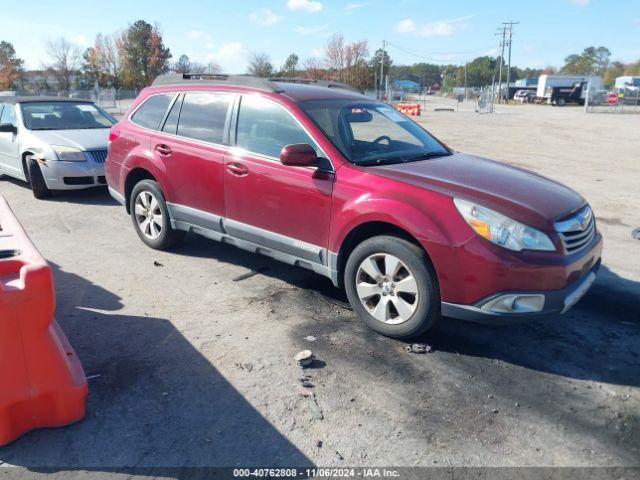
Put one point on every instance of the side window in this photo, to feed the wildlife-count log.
(265, 127)
(9, 114)
(151, 112)
(203, 116)
(171, 124)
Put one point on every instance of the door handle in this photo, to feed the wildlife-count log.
(163, 149)
(237, 169)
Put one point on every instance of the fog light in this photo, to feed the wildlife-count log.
(515, 303)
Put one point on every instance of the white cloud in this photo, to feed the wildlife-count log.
(441, 28)
(231, 49)
(352, 7)
(312, 30)
(264, 17)
(80, 41)
(406, 26)
(581, 3)
(232, 57)
(198, 36)
(309, 6)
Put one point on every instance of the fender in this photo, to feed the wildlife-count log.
(365, 209)
(437, 229)
(141, 157)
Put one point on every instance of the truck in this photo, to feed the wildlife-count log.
(560, 96)
(547, 82)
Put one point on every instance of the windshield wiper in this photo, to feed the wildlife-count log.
(389, 161)
(426, 156)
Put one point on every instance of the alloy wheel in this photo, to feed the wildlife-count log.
(387, 288)
(148, 215)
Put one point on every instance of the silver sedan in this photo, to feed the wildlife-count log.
(53, 143)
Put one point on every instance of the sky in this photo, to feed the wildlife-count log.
(226, 32)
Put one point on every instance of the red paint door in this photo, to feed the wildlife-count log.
(261, 192)
(190, 146)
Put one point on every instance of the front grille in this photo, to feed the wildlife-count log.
(98, 156)
(577, 230)
(102, 179)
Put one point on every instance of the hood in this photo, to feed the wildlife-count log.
(520, 194)
(85, 139)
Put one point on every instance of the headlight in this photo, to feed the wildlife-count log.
(68, 154)
(502, 230)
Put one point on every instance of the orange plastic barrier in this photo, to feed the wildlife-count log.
(42, 383)
(409, 108)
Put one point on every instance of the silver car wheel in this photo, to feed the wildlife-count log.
(148, 215)
(387, 288)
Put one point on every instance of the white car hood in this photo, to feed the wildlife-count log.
(84, 139)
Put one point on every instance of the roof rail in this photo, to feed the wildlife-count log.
(319, 83)
(217, 79)
(268, 85)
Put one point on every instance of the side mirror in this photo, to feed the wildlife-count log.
(8, 128)
(298, 155)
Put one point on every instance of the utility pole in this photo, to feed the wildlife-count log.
(465, 81)
(501, 31)
(384, 49)
(509, 25)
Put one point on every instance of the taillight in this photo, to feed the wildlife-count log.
(114, 133)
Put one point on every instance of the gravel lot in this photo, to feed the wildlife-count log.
(196, 369)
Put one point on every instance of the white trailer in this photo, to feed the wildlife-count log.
(627, 82)
(547, 81)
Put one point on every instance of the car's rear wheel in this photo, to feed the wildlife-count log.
(36, 180)
(150, 216)
(392, 286)
(560, 102)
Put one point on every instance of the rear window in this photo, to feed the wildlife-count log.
(203, 116)
(150, 113)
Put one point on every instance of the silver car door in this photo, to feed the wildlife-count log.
(9, 149)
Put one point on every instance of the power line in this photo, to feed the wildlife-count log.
(424, 55)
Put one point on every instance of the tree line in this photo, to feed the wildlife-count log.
(133, 57)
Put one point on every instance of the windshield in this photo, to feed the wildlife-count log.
(372, 133)
(64, 116)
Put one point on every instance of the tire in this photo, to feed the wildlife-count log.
(155, 233)
(411, 314)
(36, 180)
(561, 102)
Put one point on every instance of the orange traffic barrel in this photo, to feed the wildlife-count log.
(409, 108)
(42, 383)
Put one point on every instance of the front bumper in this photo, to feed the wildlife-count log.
(555, 302)
(60, 175)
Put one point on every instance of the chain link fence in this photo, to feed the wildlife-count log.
(486, 100)
(624, 100)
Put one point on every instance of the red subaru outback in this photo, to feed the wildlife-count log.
(330, 180)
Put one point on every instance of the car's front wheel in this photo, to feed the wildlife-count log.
(391, 284)
(150, 216)
(36, 180)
